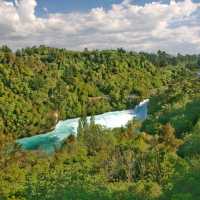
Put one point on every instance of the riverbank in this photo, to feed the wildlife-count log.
(50, 141)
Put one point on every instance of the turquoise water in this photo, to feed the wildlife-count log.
(50, 141)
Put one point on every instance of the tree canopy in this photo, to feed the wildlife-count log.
(157, 159)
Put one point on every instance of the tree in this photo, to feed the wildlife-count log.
(168, 138)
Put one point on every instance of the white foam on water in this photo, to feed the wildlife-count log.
(49, 141)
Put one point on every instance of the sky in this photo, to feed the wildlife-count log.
(138, 25)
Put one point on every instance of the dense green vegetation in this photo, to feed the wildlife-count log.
(155, 159)
(37, 83)
(178, 104)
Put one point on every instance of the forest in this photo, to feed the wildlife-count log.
(155, 159)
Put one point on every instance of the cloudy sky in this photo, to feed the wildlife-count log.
(140, 25)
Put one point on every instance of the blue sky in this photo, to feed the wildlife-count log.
(140, 25)
(72, 5)
(83, 5)
(78, 5)
(58, 6)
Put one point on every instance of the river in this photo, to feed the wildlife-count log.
(50, 141)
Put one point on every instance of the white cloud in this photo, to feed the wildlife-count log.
(45, 10)
(26, 10)
(173, 27)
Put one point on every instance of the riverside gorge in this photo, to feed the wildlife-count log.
(50, 141)
(108, 124)
(99, 100)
